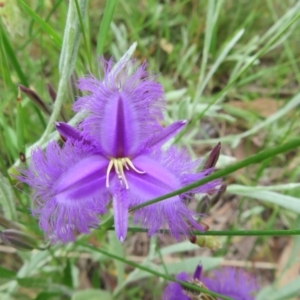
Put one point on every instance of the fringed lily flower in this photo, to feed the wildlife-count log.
(114, 154)
(230, 282)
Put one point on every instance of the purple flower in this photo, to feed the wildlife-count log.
(115, 154)
(230, 282)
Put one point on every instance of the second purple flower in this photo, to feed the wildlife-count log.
(115, 154)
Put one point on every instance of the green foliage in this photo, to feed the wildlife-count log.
(215, 60)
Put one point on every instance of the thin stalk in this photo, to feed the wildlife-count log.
(227, 232)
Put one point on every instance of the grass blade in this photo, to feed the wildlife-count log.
(11, 55)
(44, 25)
(288, 202)
(213, 11)
(105, 23)
(7, 199)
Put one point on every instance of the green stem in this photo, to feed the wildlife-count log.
(256, 158)
(227, 232)
(153, 272)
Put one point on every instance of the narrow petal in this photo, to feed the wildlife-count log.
(67, 131)
(120, 214)
(166, 133)
(122, 108)
(120, 127)
(69, 189)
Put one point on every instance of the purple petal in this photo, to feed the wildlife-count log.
(120, 207)
(213, 157)
(67, 131)
(157, 181)
(166, 133)
(82, 179)
(69, 189)
(174, 291)
(207, 188)
(122, 109)
(165, 171)
(233, 283)
(198, 273)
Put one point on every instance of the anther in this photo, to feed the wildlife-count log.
(128, 161)
(118, 164)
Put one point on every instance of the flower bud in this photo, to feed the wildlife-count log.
(210, 242)
(212, 157)
(35, 98)
(8, 223)
(18, 239)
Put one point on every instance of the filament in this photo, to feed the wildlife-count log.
(118, 164)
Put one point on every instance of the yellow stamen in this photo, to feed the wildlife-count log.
(119, 164)
(110, 165)
(128, 161)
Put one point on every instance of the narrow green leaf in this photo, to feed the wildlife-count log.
(33, 282)
(7, 199)
(116, 247)
(213, 10)
(6, 274)
(92, 294)
(48, 295)
(10, 53)
(288, 202)
(288, 291)
(235, 138)
(105, 23)
(217, 64)
(67, 279)
(178, 248)
(88, 50)
(44, 25)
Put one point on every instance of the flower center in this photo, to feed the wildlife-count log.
(119, 164)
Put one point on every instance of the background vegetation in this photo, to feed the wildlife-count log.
(230, 67)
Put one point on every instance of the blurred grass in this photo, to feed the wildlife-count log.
(182, 41)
